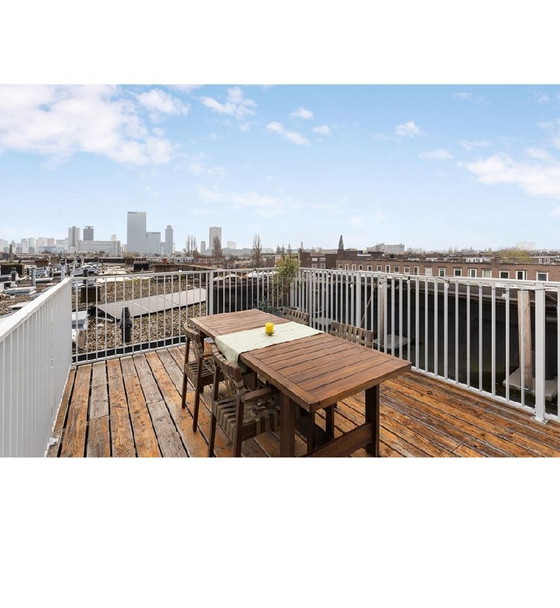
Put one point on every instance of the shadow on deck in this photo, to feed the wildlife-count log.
(131, 406)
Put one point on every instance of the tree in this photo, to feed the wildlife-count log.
(516, 256)
(217, 247)
(286, 272)
(256, 253)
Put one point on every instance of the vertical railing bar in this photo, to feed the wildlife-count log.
(436, 328)
(456, 331)
(426, 324)
(540, 352)
(446, 329)
(417, 320)
(521, 340)
(493, 337)
(468, 323)
(480, 323)
(507, 338)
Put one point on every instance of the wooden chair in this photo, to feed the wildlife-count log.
(296, 315)
(243, 413)
(352, 333)
(199, 371)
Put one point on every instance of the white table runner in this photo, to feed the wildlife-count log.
(232, 345)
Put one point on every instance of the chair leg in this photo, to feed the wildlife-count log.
(197, 394)
(238, 438)
(212, 436)
(185, 380)
(329, 416)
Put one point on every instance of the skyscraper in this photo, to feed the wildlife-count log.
(74, 234)
(153, 243)
(136, 232)
(213, 232)
(168, 250)
(88, 233)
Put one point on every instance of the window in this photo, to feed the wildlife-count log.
(487, 273)
(340, 266)
(321, 265)
(379, 268)
(417, 270)
(397, 269)
(428, 271)
(457, 272)
(504, 274)
(406, 269)
(369, 267)
(542, 276)
(353, 266)
(387, 268)
(313, 265)
(345, 266)
(441, 272)
(521, 275)
(360, 267)
(472, 273)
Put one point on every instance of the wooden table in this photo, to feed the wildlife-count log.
(315, 373)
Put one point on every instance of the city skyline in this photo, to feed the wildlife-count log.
(435, 167)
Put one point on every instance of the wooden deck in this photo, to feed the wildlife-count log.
(131, 406)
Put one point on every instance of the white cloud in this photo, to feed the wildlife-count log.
(541, 177)
(293, 136)
(381, 137)
(59, 121)
(323, 130)
(236, 104)
(471, 145)
(153, 192)
(408, 129)
(263, 205)
(440, 154)
(462, 96)
(196, 165)
(158, 102)
(302, 113)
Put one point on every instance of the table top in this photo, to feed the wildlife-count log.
(314, 372)
(229, 322)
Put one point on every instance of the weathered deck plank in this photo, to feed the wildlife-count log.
(132, 407)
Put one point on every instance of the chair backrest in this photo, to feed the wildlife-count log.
(352, 333)
(297, 315)
(195, 341)
(233, 377)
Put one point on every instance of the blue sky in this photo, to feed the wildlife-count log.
(429, 166)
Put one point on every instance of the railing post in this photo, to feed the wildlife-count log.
(210, 294)
(358, 299)
(540, 355)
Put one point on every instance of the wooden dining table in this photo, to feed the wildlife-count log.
(314, 373)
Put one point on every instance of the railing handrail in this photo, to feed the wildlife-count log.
(12, 322)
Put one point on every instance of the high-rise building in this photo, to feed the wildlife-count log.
(168, 250)
(202, 247)
(88, 233)
(213, 232)
(231, 245)
(153, 243)
(74, 235)
(136, 232)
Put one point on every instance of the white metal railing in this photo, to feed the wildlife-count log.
(497, 337)
(158, 304)
(500, 338)
(35, 358)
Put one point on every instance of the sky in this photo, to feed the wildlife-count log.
(430, 166)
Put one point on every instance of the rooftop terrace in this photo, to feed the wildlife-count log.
(131, 406)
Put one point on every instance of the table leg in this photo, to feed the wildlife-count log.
(372, 415)
(287, 427)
